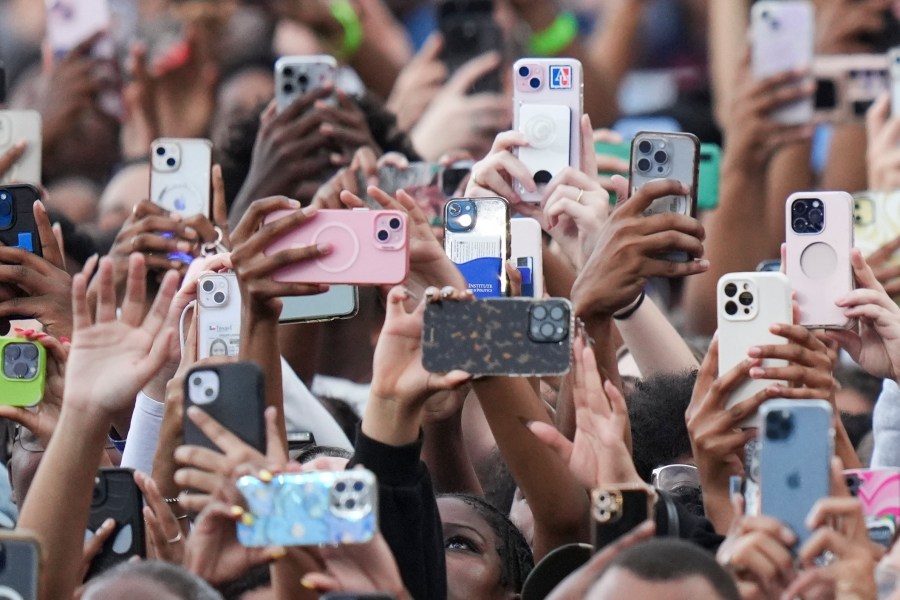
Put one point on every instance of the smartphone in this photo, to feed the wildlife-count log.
(894, 80)
(18, 228)
(452, 177)
(218, 315)
(22, 373)
(469, 30)
(499, 336)
(339, 302)
(876, 221)
(782, 37)
(796, 444)
(20, 563)
(878, 492)
(368, 247)
(413, 179)
(309, 509)
(232, 394)
(180, 175)
(296, 76)
(547, 107)
(117, 496)
(16, 126)
(616, 510)
(847, 85)
(819, 236)
(710, 173)
(476, 238)
(747, 304)
(658, 155)
(527, 249)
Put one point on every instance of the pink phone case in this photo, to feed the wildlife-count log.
(878, 491)
(819, 236)
(368, 247)
(557, 84)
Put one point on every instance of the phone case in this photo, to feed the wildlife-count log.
(617, 510)
(16, 126)
(783, 34)
(659, 155)
(18, 228)
(499, 336)
(418, 179)
(876, 221)
(819, 236)
(796, 444)
(476, 238)
(894, 75)
(233, 395)
(218, 315)
(117, 496)
(20, 561)
(878, 492)
(71, 23)
(710, 173)
(339, 302)
(747, 304)
(296, 76)
(368, 247)
(309, 509)
(527, 244)
(468, 30)
(547, 107)
(180, 176)
(847, 85)
(22, 372)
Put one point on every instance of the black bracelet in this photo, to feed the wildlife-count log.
(630, 311)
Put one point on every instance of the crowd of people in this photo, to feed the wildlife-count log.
(484, 484)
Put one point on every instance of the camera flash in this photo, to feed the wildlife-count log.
(465, 220)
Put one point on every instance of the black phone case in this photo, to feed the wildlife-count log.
(117, 496)
(492, 336)
(19, 562)
(636, 507)
(469, 30)
(22, 230)
(238, 407)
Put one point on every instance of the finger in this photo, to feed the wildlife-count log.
(93, 546)
(106, 296)
(50, 249)
(552, 437)
(276, 442)
(156, 316)
(11, 156)
(226, 441)
(136, 291)
(258, 211)
(588, 155)
(646, 194)
(193, 479)
(470, 72)
(219, 205)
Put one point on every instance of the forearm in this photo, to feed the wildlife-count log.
(606, 341)
(444, 452)
(728, 22)
(58, 502)
(654, 343)
(612, 47)
(789, 171)
(170, 437)
(846, 168)
(259, 344)
(843, 447)
(559, 275)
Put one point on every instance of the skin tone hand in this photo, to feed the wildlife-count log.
(882, 153)
(9, 159)
(599, 455)
(94, 545)
(886, 271)
(165, 536)
(365, 162)
(840, 24)
(418, 83)
(876, 346)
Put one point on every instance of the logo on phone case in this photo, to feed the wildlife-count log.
(560, 77)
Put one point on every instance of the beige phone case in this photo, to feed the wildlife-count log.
(16, 126)
(180, 175)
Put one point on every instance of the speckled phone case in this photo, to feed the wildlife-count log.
(499, 336)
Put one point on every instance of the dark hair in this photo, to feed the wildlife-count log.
(78, 244)
(516, 560)
(173, 578)
(497, 482)
(315, 452)
(656, 408)
(668, 559)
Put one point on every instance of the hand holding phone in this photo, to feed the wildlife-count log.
(218, 315)
(617, 509)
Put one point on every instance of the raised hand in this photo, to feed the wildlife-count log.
(418, 83)
(165, 536)
(810, 368)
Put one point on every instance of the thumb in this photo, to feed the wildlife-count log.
(552, 437)
(619, 185)
(449, 381)
(431, 49)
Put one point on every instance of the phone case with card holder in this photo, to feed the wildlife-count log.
(309, 509)
(20, 560)
(499, 336)
(819, 236)
(616, 510)
(878, 492)
(477, 240)
(18, 228)
(16, 126)
(218, 315)
(232, 394)
(180, 175)
(547, 108)
(368, 247)
(117, 496)
(296, 76)
(23, 371)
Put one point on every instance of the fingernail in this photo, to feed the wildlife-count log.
(247, 519)
(278, 553)
(110, 522)
(703, 263)
(184, 246)
(326, 129)
(167, 235)
(307, 584)
(753, 351)
(323, 248)
(294, 203)
(266, 475)
(757, 372)
(336, 158)
(64, 340)
(236, 511)
(18, 329)
(190, 232)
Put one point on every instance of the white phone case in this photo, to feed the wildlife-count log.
(747, 304)
(526, 252)
(818, 255)
(298, 75)
(180, 177)
(783, 35)
(218, 315)
(15, 126)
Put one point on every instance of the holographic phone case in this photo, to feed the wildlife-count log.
(878, 492)
(309, 509)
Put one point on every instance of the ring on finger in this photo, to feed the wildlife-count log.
(175, 539)
(133, 243)
(580, 194)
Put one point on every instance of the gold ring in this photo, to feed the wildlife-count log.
(177, 538)
(580, 194)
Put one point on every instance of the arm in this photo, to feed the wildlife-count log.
(656, 345)
(445, 452)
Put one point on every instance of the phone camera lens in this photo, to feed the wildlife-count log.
(394, 223)
(454, 210)
(800, 225)
(557, 313)
(539, 313)
(815, 216)
(358, 486)
(534, 82)
(197, 381)
(170, 162)
(730, 290)
(288, 71)
(350, 503)
(29, 351)
(661, 157)
(731, 308)
(383, 235)
(645, 147)
(219, 297)
(303, 80)
(799, 207)
(547, 330)
(644, 165)
(160, 151)
(209, 392)
(287, 88)
(208, 286)
(524, 71)
(340, 486)
(746, 298)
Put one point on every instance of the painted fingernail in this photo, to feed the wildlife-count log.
(307, 584)
(65, 340)
(278, 553)
(757, 372)
(265, 475)
(236, 511)
(323, 248)
(247, 519)
(18, 329)
(754, 351)
(184, 246)
(703, 263)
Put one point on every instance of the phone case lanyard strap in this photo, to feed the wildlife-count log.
(214, 247)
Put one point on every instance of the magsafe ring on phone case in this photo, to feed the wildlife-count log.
(344, 247)
(818, 260)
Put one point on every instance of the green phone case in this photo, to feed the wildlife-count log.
(710, 164)
(23, 368)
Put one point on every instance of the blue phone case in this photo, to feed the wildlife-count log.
(309, 509)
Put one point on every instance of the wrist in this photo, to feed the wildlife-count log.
(391, 421)
(632, 308)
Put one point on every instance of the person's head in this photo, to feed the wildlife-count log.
(122, 193)
(656, 408)
(218, 347)
(149, 580)
(241, 92)
(487, 557)
(74, 197)
(664, 568)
